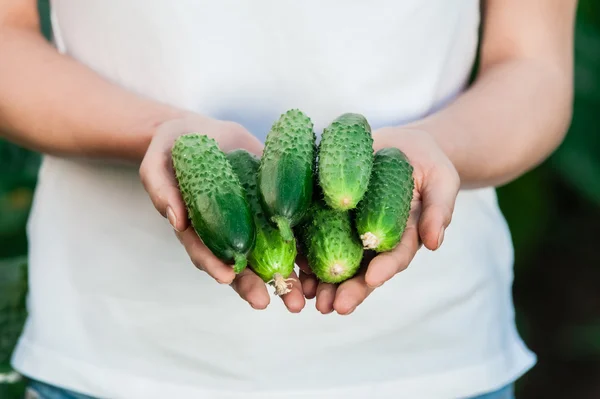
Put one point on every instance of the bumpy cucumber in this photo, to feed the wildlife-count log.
(285, 176)
(272, 258)
(215, 200)
(382, 214)
(345, 161)
(331, 244)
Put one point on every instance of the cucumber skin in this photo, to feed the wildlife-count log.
(329, 238)
(271, 254)
(215, 200)
(385, 208)
(285, 177)
(345, 161)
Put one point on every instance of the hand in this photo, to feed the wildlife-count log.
(158, 178)
(436, 187)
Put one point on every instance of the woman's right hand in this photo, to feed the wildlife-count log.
(158, 178)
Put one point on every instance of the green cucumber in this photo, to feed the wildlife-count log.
(285, 174)
(272, 258)
(382, 214)
(345, 161)
(331, 245)
(215, 200)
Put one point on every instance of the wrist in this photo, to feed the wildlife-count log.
(422, 148)
(437, 130)
(140, 135)
(404, 137)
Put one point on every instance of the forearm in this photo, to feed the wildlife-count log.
(509, 121)
(53, 104)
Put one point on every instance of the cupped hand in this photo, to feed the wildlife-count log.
(436, 187)
(157, 175)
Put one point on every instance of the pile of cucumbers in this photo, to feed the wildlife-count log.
(332, 201)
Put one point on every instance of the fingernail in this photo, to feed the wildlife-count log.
(441, 237)
(171, 217)
(373, 284)
(256, 306)
(225, 281)
(350, 311)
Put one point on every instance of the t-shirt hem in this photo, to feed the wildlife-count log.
(50, 367)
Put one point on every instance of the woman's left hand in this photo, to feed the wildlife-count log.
(436, 187)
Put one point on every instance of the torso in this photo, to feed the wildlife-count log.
(117, 309)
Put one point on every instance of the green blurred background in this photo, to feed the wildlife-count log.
(553, 213)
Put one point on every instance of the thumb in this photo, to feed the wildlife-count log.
(156, 174)
(254, 145)
(438, 199)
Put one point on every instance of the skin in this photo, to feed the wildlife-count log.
(50, 103)
(513, 116)
(511, 119)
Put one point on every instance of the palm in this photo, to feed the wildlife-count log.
(436, 187)
(375, 267)
(159, 180)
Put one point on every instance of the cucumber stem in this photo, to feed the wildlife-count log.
(240, 263)
(284, 228)
(370, 240)
(282, 285)
(337, 269)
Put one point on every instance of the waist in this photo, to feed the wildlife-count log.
(107, 268)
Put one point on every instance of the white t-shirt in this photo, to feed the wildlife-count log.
(118, 311)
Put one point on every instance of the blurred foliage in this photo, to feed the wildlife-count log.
(578, 159)
(13, 290)
(18, 173)
(44, 11)
(553, 213)
(554, 216)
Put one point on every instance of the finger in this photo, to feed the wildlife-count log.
(254, 146)
(158, 179)
(387, 264)
(325, 297)
(251, 288)
(294, 300)
(234, 136)
(302, 263)
(203, 258)
(438, 199)
(309, 285)
(350, 294)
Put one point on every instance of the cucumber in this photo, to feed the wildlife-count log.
(331, 244)
(285, 174)
(345, 161)
(272, 258)
(215, 200)
(382, 214)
